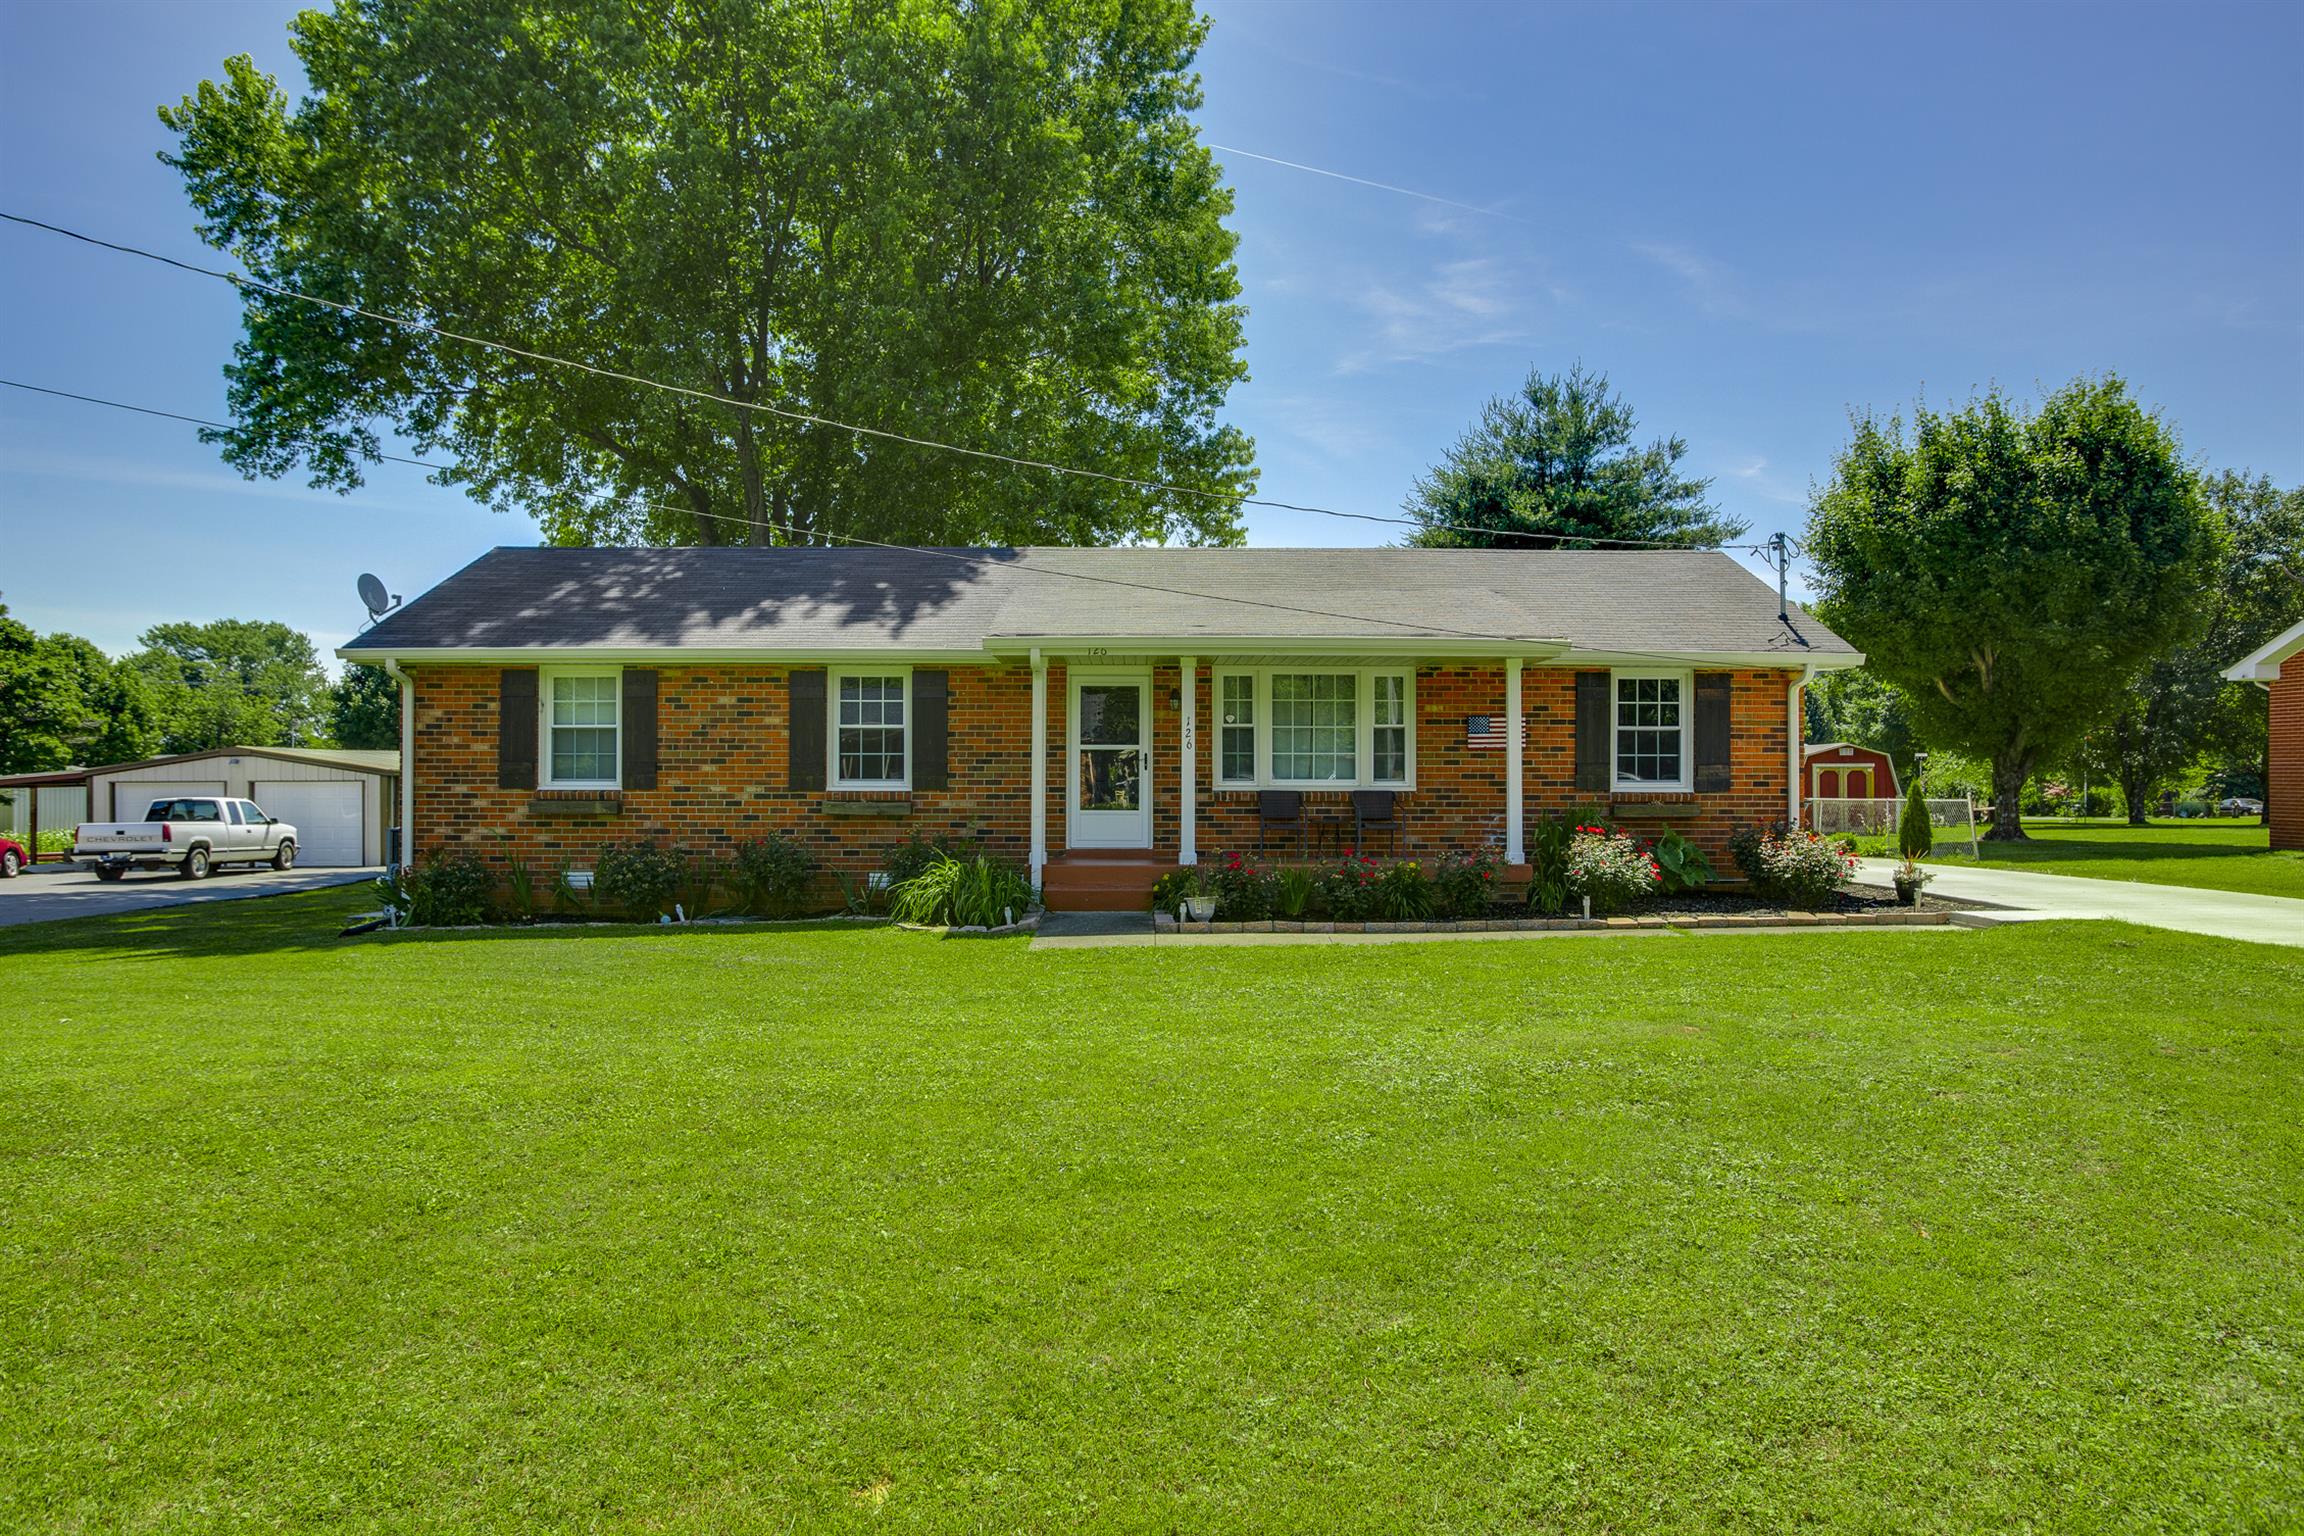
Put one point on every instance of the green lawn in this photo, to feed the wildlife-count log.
(710, 1231)
(2216, 855)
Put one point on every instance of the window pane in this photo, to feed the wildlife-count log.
(1391, 753)
(1239, 701)
(1391, 702)
(583, 752)
(1111, 714)
(872, 701)
(1315, 719)
(872, 753)
(584, 701)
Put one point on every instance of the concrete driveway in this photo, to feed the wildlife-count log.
(51, 892)
(2028, 897)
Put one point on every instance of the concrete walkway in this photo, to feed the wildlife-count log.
(2027, 897)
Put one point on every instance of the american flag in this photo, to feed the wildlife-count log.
(1485, 733)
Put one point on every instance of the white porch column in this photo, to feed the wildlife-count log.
(1039, 765)
(1188, 767)
(1514, 733)
(1794, 728)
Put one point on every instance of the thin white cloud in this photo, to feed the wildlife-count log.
(1710, 285)
(1754, 475)
(1457, 304)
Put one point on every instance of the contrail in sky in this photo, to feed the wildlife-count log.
(1362, 181)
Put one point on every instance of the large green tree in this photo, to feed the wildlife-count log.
(1557, 465)
(2262, 594)
(987, 223)
(234, 683)
(1861, 707)
(364, 708)
(63, 702)
(2014, 572)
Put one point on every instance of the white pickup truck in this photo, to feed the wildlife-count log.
(189, 834)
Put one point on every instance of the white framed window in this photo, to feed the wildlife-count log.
(1653, 721)
(871, 729)
(1235, 727)
(1313, 727)
(583, 727)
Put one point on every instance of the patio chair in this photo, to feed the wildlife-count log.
(1281, 808)
(1372, 811)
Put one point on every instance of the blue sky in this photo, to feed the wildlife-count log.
(1754, 219)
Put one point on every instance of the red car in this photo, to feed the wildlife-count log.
(13, 857)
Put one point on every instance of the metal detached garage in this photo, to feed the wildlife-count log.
(342, 802)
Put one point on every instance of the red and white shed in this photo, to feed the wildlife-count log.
(1838, 771)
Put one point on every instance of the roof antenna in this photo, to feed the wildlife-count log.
(375, 599)
(1783, 568)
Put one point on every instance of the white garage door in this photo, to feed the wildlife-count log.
(131, 798)
(325, 813)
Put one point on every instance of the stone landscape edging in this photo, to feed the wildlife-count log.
(1165, 923)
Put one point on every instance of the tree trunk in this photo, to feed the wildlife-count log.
(2009, 771)
(2137, 791)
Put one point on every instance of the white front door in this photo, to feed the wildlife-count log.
(1111, 758)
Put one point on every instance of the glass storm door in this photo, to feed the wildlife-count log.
(1111, 761)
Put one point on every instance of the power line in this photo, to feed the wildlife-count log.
(1362, 181)
(943, 554)
(805, 417)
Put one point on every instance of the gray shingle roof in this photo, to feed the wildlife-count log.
(805, 600)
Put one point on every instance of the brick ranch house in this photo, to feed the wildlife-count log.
(1086, 710)
(2278, 668)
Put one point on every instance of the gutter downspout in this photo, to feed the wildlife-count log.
(1794, 728)
(407, 763)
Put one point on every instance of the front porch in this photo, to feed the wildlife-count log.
(1158, 758)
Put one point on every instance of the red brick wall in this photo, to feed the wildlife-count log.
(722, 770)
(2285, 794)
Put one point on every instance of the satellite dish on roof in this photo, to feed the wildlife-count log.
(373, 596)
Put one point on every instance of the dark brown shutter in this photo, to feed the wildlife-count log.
(639, 723)
(1593, 708)
(931, 730)
(804, 730)
(1712, 733)
(516, 728)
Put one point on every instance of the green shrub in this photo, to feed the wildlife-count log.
(1797, 869)
(1464, 883)
(1914, 835)
(702, 877)
(637, 880)
(978, 892)
(1548, 864)
(1171, 889)
(1243, 892)
(911, 857)
(1292, 893)
(1682, 863)
(448, 890)
(519, 889)
(771, 875)
(1610, 868)
(1404, 893)
(1348, 892)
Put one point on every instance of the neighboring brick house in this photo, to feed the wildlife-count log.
(2278, 668)
(1074, 708)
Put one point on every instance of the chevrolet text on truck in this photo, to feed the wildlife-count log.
(189, 834)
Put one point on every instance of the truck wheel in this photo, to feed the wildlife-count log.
(9, 864)
(107, 872)
(285, 856)
(195, 865)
